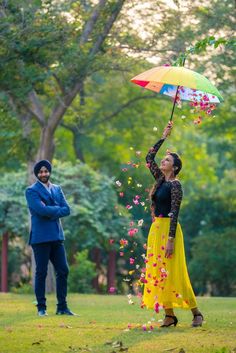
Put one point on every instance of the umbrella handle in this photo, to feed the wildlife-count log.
(173, 109)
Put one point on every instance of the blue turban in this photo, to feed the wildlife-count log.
(40, 164)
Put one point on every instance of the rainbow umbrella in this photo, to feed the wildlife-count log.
(178, 82)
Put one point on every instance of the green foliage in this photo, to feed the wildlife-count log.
(213, 265)
(13, 209)
(91, 195)
(22, 288)
(81, 274)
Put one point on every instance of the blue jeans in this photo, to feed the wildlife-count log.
(55, 252)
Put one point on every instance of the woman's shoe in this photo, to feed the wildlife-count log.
(197, 324)
(172, 323)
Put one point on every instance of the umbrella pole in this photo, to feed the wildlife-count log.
(173, 109)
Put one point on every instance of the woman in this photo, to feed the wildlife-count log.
(166, 281)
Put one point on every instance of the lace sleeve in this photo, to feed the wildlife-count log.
(150, 159)
(176, 198)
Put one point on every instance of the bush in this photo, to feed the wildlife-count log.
(81, 274)
(213, 265)
(23, 288)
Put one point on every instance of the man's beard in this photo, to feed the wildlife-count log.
(44, 179)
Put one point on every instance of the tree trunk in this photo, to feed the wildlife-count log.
(4, 271)
(46, 145)
(96, 257)
(78, 143)
(111, 270)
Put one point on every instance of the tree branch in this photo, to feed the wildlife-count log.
(65, 102)
(58, 81)
(70, 127)
(107, 27)
(63, 105)
(122, 107)
(35, 107)
(91, 22)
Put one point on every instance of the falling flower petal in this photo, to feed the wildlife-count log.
(112, 290)
(131, 261)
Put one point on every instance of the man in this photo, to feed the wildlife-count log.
(47, 205)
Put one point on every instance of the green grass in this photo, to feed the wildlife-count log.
(103, 320)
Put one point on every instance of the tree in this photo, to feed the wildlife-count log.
(40, 78)
(12, 226)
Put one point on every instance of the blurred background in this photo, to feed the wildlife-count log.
(66, 95)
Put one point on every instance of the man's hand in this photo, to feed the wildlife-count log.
(167, 130)
(169, 248)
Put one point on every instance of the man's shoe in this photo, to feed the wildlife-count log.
(65, 312)
(42, 312)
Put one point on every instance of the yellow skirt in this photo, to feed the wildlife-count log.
(167, 280)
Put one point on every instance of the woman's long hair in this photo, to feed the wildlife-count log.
(177, 168)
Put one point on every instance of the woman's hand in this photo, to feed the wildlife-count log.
(167, 129)
(169, 248)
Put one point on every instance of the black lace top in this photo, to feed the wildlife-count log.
(168, 194)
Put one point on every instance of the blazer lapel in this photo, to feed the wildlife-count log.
(44, 191)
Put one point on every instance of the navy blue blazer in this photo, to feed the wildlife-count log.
(46, 210)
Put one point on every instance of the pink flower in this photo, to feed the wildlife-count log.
(111, 241)
(131, 261)
(121, 194)
(121, 253)
(205, 98)
(132, 231)
(144, 327)
(124, 169)
(136, 202)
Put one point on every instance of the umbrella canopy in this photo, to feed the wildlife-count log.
(167, 80)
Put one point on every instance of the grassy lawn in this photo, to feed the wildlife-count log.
(103, 323)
